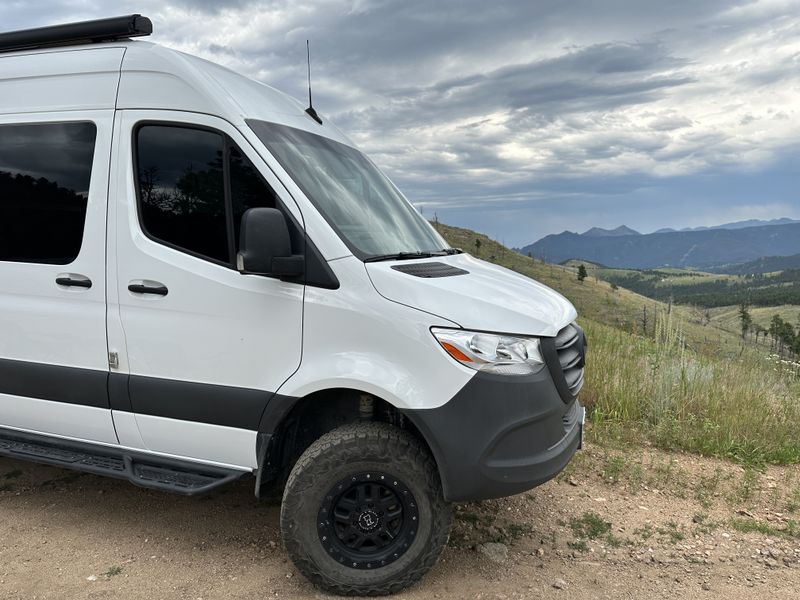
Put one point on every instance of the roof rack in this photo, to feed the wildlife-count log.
(68, 34)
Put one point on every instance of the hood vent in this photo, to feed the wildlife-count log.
(430, 270)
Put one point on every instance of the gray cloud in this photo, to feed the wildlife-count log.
(525, 112)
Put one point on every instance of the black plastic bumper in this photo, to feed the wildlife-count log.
(501, 435)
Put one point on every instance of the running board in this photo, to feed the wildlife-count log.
(145, 470)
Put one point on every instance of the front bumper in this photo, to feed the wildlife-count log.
(501, 435)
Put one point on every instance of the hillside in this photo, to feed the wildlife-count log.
(700, 249)
(707, 290)
(594, 298)
(767, 264)
(727, 317)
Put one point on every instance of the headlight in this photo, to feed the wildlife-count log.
(492, 353)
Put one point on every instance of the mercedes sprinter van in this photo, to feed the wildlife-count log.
(203, 281)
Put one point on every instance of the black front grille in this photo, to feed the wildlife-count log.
(564, 355)
(570, 347)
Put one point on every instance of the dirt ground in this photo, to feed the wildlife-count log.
(618, 524)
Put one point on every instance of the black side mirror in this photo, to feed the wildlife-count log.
(264, 245)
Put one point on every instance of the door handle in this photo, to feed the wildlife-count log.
(157, 289)
(73, 280)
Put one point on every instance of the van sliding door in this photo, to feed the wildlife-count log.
(53, 196)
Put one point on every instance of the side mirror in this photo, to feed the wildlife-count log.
(264, 245)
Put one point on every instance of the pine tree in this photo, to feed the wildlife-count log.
(745, 320)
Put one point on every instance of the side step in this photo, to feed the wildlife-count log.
(144, 470)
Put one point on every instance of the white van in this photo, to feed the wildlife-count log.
(202, 281)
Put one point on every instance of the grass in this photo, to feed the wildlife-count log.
(672, 531)
(578, 545)
(793, 501)
(791, 530)
(676, 398)
(113, 571)
(645, 532)
(518, 530)
(727, 317)
(703, 524)
(614, 468)
(746, 487)
(707, 487)
(668, 475)
(614, 541)
(589, 526)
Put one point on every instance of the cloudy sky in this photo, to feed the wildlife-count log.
(525, 118)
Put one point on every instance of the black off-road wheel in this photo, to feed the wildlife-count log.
(363, 512)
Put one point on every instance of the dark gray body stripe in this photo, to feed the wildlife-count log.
(118, 396)
(71, 385)
(184, 400)
(200, 402)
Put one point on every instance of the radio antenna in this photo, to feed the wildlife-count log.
(310, 110)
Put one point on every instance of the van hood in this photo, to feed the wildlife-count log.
(486, 298)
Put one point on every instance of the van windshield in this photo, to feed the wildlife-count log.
(357, 200)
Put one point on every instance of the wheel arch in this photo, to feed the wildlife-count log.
(290, 425)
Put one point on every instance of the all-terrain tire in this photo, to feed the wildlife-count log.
(345, 453)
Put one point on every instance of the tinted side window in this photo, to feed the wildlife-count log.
(182, 190)
(248, 190)
(45, 170)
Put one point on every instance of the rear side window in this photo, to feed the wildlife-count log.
(194, 187)
(45, 171)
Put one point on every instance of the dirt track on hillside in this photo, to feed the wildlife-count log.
(78, 536)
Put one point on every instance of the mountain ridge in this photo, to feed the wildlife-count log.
(697, 249)
(625, 230)
(765, 264)
(619, 231)
(744, 224)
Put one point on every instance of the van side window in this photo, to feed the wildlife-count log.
(182, 189)
(183, 199)
(45, 171)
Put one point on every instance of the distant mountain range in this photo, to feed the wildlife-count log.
(729, 244)
(735, 225)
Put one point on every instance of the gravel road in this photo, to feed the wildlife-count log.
(618, 524)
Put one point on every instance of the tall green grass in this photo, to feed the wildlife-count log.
(743, 408)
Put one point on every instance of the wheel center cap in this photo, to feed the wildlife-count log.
(368, 520)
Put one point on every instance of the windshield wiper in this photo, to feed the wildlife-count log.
(451, 251)
(402, 256)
